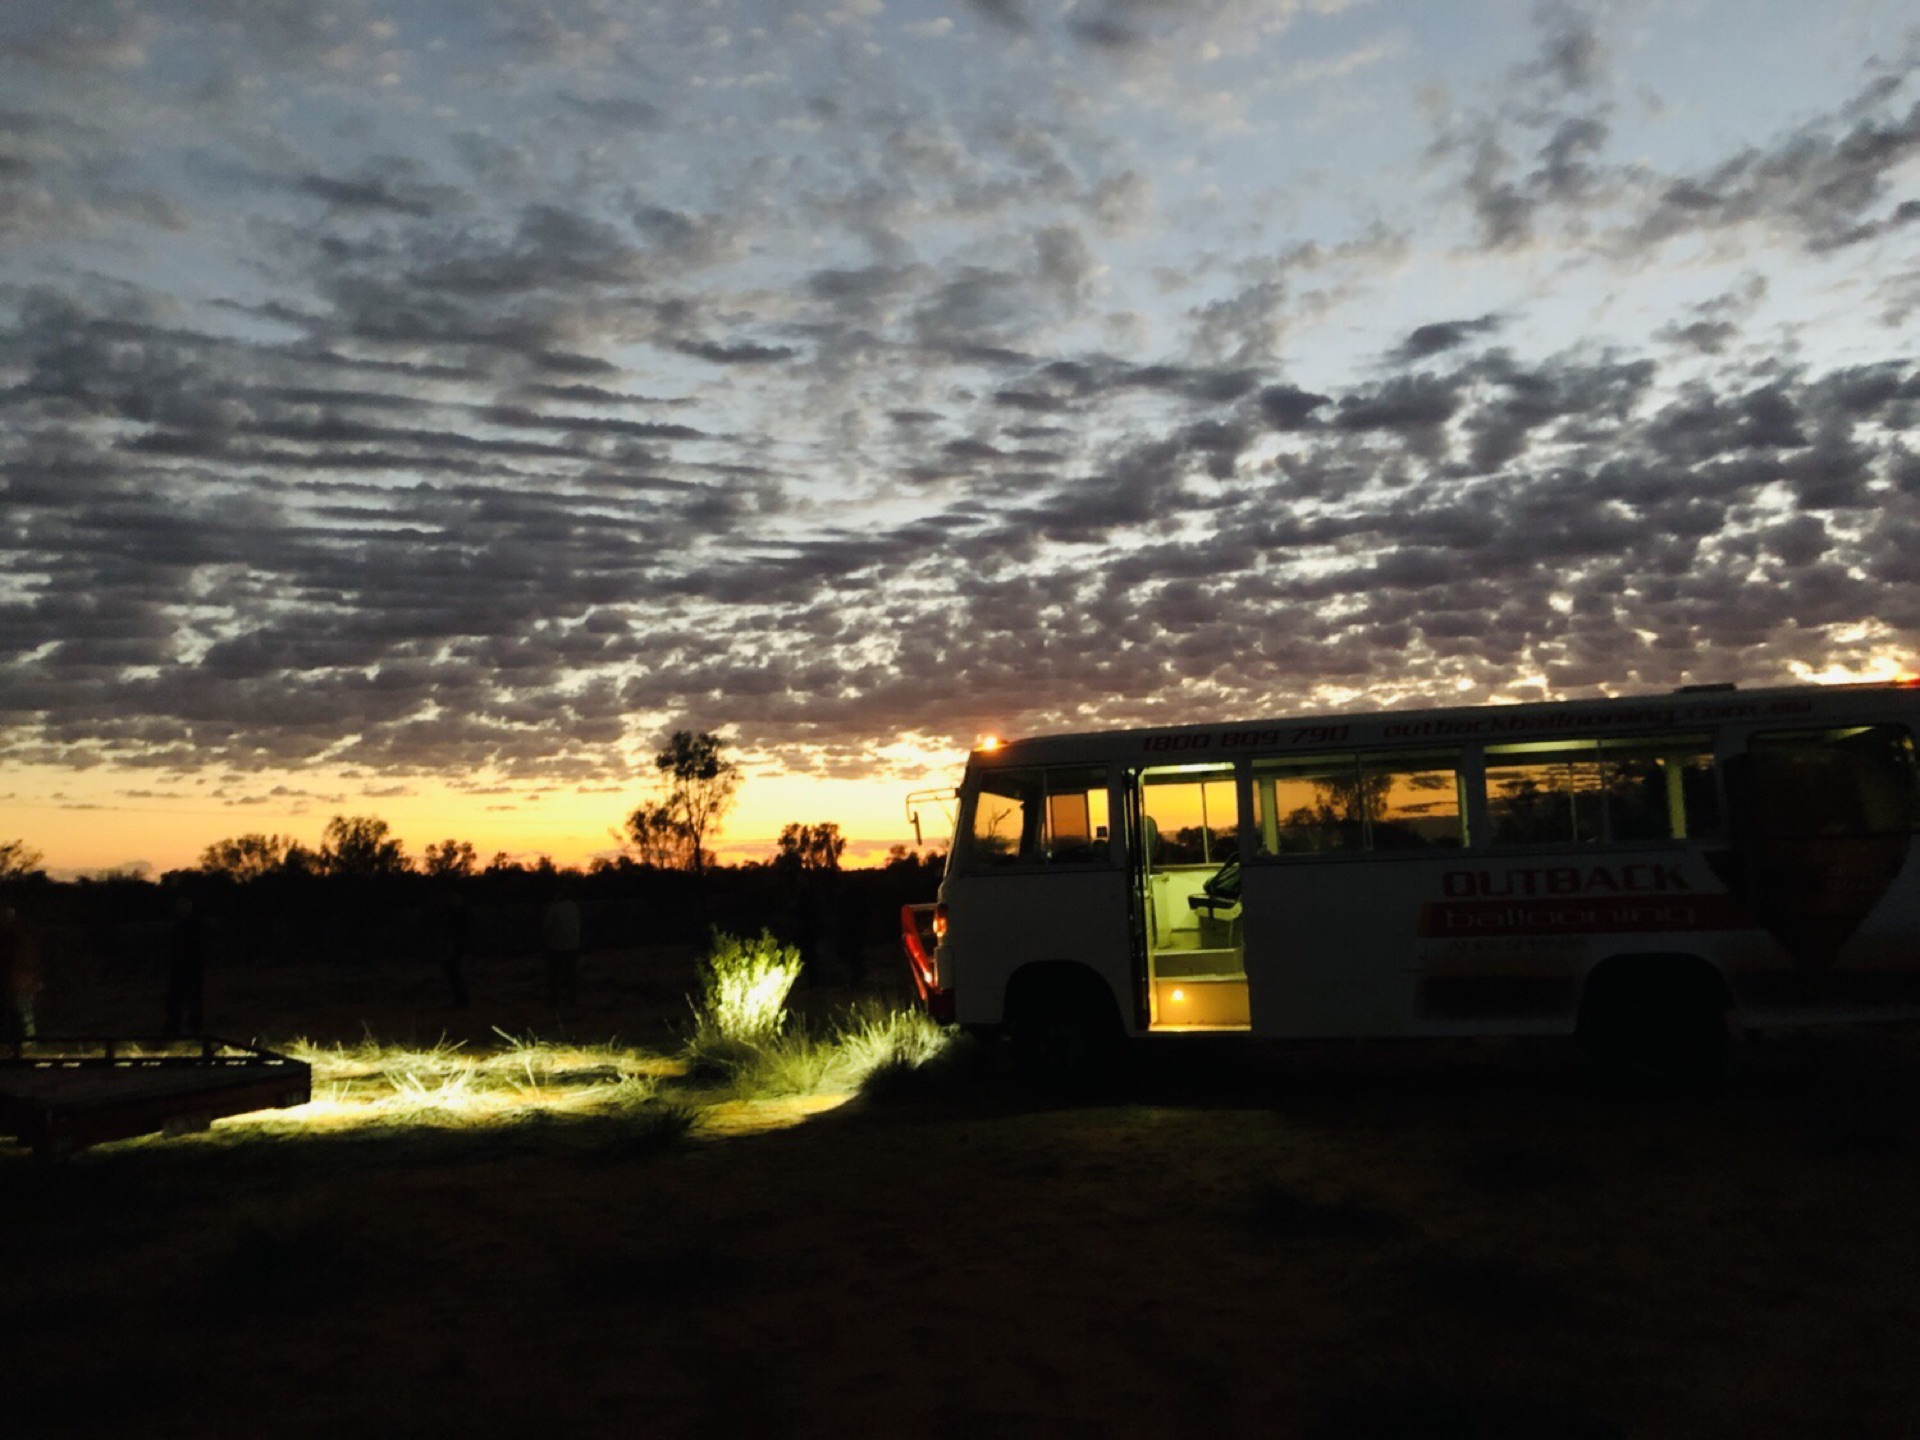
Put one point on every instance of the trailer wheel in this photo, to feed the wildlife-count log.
(1065, 1028)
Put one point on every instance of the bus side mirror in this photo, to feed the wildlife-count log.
(914, 816)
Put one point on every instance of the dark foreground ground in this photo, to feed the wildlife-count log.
(1471, 1241)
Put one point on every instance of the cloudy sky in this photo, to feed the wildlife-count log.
(419, 408)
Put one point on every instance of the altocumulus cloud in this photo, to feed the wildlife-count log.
(478, 390)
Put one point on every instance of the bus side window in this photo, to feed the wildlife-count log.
(1593, 792)
(1006, 815)
(1859, 780)
(1544, 793)
(1413, 801)
(1308, 806)
(1700, 797)
(1040, 817)
(1660, 789)
(1077, 816)
(1333, 803)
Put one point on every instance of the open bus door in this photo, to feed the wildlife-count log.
(1184, 900)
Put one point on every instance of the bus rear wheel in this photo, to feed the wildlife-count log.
(1066, 1033)
(1670, 1039)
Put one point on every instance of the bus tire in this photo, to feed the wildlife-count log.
(1065, 1027)
(1657, 1021)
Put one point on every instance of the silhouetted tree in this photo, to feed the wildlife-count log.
(701, 785)
(246, 857)
(811, 847)
(656, 837)
(908, 858)
(449, 860)
(360, 845)
(18, 860)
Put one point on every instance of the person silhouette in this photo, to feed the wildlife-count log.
(560, 933)
(850, 937)
(19, 977)
(451, 934)
(186, 970)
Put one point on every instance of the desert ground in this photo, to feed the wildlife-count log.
(1474, 1239)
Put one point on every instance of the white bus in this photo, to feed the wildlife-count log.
(1643, 872)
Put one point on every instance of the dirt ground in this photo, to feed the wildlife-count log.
(1472, 1240)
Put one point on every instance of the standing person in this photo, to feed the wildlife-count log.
(850, 924)
(186, 970)
(452, 936)
(560, 932)
(804, 925)
(19, 977)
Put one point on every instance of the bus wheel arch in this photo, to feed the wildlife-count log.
(1064, 1022)
(1657, 1017)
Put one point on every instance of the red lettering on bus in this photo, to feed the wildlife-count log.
(1638, 879)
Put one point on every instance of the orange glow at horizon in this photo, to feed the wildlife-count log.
(87, 822)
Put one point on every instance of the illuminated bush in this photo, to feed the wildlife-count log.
(743, 990)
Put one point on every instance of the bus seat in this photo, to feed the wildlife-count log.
(1220, 891)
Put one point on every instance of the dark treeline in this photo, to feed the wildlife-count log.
(292, 914)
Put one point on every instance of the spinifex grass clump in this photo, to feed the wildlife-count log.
(795, 1059)
(743, 998)
(901, 1054)
(876, 1036)
(372, 1082)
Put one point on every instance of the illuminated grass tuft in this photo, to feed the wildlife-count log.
(372, 1083)
(797, 1061)
(629, 1095)
(876, 1036)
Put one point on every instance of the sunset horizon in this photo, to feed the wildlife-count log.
(148, 826)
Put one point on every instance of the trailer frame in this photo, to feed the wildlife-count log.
(59, 1094)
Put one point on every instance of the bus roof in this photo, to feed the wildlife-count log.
(1692, 708)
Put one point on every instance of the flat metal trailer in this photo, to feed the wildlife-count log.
(61, 1094)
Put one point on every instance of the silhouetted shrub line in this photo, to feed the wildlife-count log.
(122, 922)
